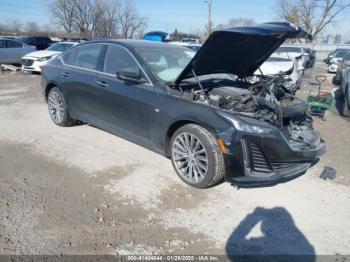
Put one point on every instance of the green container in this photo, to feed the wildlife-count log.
(322, 100)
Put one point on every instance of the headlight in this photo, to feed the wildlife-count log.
(243, 126)
(44, 58)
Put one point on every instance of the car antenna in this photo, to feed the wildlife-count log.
(199, 83)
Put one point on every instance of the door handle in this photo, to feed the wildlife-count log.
(65, 74)
(102, 83)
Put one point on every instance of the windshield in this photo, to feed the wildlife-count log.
(167, 63)
(22, 38)
(287, 49)
(60, 47)
(277, 59)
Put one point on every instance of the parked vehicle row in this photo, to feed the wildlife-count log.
(12, 51)
(339, 61)
(337, 58)
(206, 111)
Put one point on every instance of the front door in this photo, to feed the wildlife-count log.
(126, 105)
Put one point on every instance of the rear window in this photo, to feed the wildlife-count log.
(2, 44)
(69, 57)
(88, 55)
(13, 44)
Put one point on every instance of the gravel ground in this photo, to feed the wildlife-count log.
(80, 190)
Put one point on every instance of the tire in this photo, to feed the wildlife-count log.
(345, 108)
(202, 151)
(58, 109)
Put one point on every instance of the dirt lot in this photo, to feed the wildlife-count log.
(80, 190)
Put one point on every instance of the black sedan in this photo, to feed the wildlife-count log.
(205, 111)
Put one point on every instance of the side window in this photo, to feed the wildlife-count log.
(87, 56)
(2, 44)
(117, 59)
(13, 44)
(69, 57)
(32, 41)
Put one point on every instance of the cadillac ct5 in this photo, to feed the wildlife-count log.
(206, 111)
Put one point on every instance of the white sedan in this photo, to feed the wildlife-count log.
(33, 62)
(276, 65)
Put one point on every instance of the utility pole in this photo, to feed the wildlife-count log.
(209, 3)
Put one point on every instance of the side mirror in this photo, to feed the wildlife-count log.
(131, 77)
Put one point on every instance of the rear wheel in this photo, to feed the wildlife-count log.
(58, 109)
(196, 156)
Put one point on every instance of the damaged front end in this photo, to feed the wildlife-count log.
(272, 136)
(268, 101)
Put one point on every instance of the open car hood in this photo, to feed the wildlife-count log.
(240, 50)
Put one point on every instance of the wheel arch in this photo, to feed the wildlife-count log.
(178, 124)
(48, 87)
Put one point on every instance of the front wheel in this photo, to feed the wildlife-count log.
(58, 109)
(196, 156)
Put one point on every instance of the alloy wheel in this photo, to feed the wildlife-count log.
(190, 158)
(56, 107)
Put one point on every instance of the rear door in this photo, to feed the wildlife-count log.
(14, 51)
(78, 80)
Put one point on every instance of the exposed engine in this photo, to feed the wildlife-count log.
(269, 101)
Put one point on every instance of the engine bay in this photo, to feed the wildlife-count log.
(268, 100)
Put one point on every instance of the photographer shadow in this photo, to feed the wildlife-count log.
(279, 239)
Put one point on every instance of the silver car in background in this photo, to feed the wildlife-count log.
(12, 51)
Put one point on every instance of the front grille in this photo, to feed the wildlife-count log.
(258, 161)
(284, 165)
(27, 62)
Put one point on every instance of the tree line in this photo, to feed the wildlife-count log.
(121, 19)
(85, 19)
(98, 18)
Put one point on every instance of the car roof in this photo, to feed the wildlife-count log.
(10, 39)
(67, 42)
(133, 43)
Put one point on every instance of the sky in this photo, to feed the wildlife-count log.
(166, 15)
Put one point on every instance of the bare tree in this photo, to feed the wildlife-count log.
(312, 15)
(105, 18)
(64, 13)
(98, 18)
(84, 17)
(32, 28)
(130, 21)
(14, 26)
(236, 22)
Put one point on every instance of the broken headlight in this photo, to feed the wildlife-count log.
(247, 125)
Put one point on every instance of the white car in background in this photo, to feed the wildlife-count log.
(277, 65)
(339, 57)
(33, 62)
(293, 52)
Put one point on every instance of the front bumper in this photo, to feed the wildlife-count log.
(254, 160)
(32, 65)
